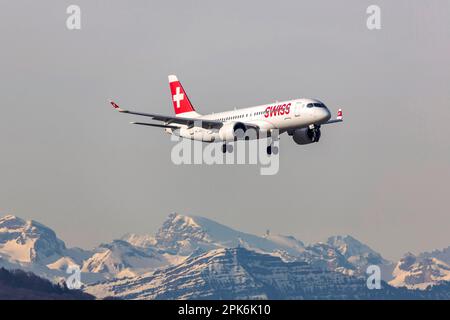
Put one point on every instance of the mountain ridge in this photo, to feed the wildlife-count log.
(34, 247)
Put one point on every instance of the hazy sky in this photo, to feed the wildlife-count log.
(70, 162)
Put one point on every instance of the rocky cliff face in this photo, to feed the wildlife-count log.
(236, 273)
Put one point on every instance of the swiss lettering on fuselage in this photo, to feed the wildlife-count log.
(277, 110)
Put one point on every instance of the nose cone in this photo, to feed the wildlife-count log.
(322, 115)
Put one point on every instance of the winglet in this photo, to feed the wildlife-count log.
(115, 106)
(339, 115)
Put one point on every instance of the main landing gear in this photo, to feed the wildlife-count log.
(227, 147)
(271, 149)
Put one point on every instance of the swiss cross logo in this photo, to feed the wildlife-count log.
(177, 97)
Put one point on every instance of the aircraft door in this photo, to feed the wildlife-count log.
(298, 106)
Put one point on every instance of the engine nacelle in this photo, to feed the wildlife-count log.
(306, 135)
(197, 133)
(232, 131)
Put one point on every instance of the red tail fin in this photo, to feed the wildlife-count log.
(181, 103)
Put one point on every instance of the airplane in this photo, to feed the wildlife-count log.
(300, 118)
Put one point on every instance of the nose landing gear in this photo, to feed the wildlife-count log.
(314, 133)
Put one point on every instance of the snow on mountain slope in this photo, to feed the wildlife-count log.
(28, 241)
(419, 273)
(142, 241)
(286, 241)
(322, 255)
(355, 251)
(234, 274)
(31, 246)
(179, 237)
(62, 264)
(182, 235)
(360, 255)
(118, 256)
(443, 255)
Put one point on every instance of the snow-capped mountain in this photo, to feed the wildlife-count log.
(28, 241)
(31, 246)
(443, 255)
(182, 235)
(356, 252)
(360, 256)
(238, 273)
(142, 241)
(120, 258)
(323, 256)
(419, 272)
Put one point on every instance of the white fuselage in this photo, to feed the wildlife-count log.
(284, 116)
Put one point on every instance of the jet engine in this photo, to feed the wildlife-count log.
(306, 135)
(232, 131)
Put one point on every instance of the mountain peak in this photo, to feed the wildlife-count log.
(27, 241)
(11, 221)
(142, 241)
(344, 237)
(356, 252)
(184, 234)
(184, 220)
(181, 233)
(349, 246)
(443, 255)
(120, 256)
(9, 217)
(419, 272)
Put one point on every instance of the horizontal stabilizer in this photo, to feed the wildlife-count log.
(339, 118)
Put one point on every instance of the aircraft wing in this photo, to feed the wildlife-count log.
(155, 125)
(168, 120)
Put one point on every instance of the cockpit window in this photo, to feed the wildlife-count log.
(310, 105)
(319, 105)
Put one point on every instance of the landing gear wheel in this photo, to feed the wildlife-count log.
(272, 150)
(227, 148)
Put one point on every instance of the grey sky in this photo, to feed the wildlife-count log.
(69, 161)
